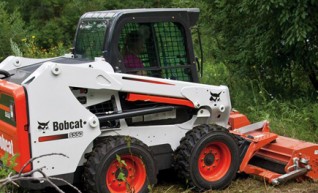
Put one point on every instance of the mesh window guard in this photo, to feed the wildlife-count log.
(90, 38)
(155, 49)
(172, 51)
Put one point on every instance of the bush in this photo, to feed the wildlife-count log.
(11, 28)
(31, 49)
(295, 117)
(6, 169)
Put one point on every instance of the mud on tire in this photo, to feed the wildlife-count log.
(119, 164)
(207, 158)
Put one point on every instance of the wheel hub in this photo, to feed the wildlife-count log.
(132, 173)
(122, 170)
(209, 159)
(214, 161)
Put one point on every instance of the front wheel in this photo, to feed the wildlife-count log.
(208, 157)
(120, 164)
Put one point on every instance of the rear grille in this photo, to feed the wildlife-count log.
(103, 107)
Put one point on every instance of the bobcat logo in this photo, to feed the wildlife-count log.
(215, 96)
(43, 126)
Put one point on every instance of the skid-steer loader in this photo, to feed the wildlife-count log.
(119, 123)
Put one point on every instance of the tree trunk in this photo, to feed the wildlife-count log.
(313, 78)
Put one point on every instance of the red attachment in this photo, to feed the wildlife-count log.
(285, 149)
(274, 148)
(159, 99)
(258, 139)
(214, 161)
(134, 172)
(255, 146)
(238, 120)
(17, 134)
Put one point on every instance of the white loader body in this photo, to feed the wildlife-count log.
(71, 128)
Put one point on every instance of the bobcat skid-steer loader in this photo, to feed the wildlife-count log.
(119, 122)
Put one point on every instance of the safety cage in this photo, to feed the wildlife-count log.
(139, 43)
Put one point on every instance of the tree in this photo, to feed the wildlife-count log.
(273, 41)
(11, 28)
(54, 21)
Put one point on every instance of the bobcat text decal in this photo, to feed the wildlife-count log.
(60, 126)
(68, 125)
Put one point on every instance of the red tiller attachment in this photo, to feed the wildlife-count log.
(270, 156)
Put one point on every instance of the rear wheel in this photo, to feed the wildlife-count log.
(120, 164)
(208, 157)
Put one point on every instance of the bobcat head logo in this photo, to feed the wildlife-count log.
(43, 126)
(215, 97)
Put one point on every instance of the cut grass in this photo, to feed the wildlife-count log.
(242, 185)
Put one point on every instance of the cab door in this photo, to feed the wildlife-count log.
(167, 49)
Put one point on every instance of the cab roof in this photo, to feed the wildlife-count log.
(191, 13)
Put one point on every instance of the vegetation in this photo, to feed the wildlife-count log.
(265, 51)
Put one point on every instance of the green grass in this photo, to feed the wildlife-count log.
(247, 185)
(294, 116)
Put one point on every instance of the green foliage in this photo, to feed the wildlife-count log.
(15, 48)
(8, 163)
(6, 169)
(209, 41)
(54, 21)
(274, 42)
(121, 176)
(31, 48)
(11, 28)
(295, 117)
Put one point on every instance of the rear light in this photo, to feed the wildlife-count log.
(11, 113)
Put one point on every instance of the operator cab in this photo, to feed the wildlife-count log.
(150, 42)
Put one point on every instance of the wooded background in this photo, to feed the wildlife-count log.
(265, 51)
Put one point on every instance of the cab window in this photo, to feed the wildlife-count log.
(154, 49)
(90, 38)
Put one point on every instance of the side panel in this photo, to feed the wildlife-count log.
(59, 123)
(14, 137)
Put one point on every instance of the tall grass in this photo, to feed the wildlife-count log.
(296, 116)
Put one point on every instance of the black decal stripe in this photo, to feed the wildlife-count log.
(53, 137)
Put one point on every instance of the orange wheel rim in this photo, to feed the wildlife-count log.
(133, 171)
(214, 161)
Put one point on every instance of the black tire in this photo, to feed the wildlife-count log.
(105, 163)
(207, 158)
